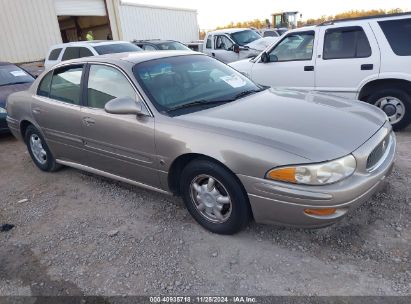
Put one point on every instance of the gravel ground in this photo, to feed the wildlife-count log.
(80, 234)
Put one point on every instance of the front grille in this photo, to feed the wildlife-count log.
(378, 152)
(3, 123)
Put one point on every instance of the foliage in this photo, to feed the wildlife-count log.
(349, 14)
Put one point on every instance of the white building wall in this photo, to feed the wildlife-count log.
(151, 22)
(27, 29)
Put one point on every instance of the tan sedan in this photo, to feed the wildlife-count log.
(187, 124)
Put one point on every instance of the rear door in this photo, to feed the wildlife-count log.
(122, 145)
(347, 56)
(57, 109)
(291, 63)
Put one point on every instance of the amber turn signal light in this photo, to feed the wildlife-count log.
(283, 174)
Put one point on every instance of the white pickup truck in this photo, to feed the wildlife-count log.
(230, 45)
(368, 59)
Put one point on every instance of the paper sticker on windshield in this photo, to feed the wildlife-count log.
(233, 81)
(18, 73)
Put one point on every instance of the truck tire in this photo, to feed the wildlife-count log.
(396, 103)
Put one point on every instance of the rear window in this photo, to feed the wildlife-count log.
(116, 48)
(346, 42)
(208, 45)
(270, 34)
(54, 54)
(398, 34)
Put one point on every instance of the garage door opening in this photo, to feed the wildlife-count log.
(75, 28)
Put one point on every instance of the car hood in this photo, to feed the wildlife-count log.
(5, 91)
(262, 44)
(316, 127)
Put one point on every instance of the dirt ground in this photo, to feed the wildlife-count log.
(80, 234)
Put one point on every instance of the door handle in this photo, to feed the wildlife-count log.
(309, 68)
(213, 54)
(88, 121)
(367, 67)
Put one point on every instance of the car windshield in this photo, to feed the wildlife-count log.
(11, 74)
(116, 48)
(172, 45)
(191, 82)
(245, 37)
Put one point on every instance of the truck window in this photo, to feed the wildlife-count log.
(295, 46)
(223, 43)
(54, 54)
(346, 42)
(208, 45)
(398, 33)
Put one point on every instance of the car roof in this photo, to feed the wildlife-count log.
(154, 41)
(229, 31)
(5, 63)
(88, 43)
(132, 57)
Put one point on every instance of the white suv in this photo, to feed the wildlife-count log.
(73, 50)
(365, 58)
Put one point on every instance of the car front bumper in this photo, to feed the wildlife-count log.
(285, 204)
(3, 123)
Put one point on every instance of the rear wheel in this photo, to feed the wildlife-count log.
(396, 103)
(39, 151)
(214, 197)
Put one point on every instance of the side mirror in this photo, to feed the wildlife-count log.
(264, 57)
(236, 48)
(124, 105)
(273, 58)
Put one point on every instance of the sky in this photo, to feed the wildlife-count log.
(213, 13)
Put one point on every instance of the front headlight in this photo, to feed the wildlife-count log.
(3, 110)
(315, 174)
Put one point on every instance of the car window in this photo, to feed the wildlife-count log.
(85, 52)
(106, 83)
(398, 33)
(346, 42)
(116, 48)
(71, 53)
(65, 84)
(270, 34)
(11, 74)
(174, 81)
(44, 86)
(208, 44)
(245, 37)
(54, 54)
(223, 43)
(172, 45)
(295, 46)
(148, 47)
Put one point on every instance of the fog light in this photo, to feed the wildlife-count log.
(320, 212)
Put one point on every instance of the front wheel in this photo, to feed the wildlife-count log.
(214, 197)
(39, 151)
(396, 104)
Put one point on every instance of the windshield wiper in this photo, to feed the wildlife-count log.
(246, 93)
(197, 103)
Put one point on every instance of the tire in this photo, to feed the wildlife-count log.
(391, 100)
(197, 195)
(43, 159)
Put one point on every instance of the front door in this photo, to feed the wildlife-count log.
(57, 109)
(122, 145)
(291, 63)
(224, 50)
(347, 56)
